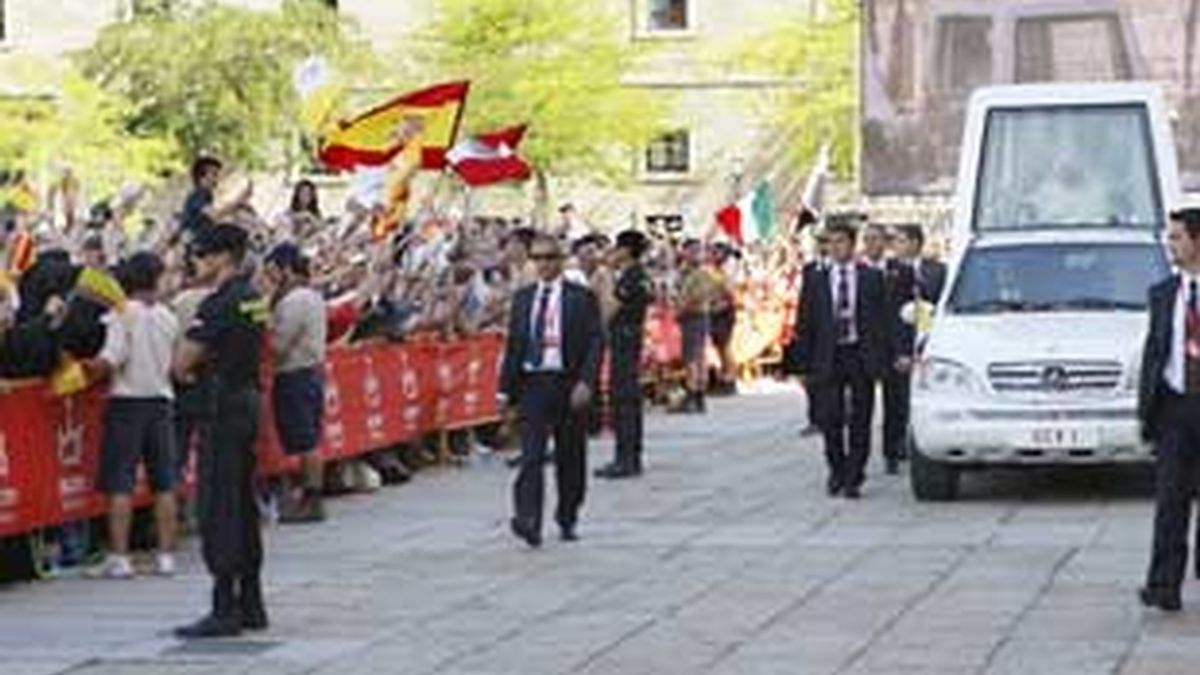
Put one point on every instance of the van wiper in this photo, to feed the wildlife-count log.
(1099, 303)
(993, 305)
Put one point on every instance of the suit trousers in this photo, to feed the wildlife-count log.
(626, 395)
(897, 397)
(231, 541)
(850, 380)
(1178, 478)
(546, 411)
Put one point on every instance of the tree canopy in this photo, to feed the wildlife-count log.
(556, 65)
(74, 123)
(818, 49)
(218, 78)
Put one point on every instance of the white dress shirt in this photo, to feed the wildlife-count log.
(1175, 372)
(552, 344)
(836, 270)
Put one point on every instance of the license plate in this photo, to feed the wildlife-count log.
(1063, 438)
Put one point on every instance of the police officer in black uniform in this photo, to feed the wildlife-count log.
(223, 344)
(634, 291)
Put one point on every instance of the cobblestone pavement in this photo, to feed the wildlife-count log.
(725, 558)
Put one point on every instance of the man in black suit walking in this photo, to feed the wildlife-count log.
(1169, 409)
(911, 278)
(551, 363)
(843, 338)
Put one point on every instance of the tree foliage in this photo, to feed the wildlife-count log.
(74, 123)
(555, 65)
(818, 49)
(218, 78)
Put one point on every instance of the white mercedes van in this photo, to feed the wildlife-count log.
(1062, 197)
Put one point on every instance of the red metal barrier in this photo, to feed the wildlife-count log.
(377, 395)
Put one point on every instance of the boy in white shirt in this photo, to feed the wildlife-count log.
(137, 353)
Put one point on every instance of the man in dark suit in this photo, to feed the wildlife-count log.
(551, 364)
(911, 278)
(1169, 409)
(843, 337)
(794, 357)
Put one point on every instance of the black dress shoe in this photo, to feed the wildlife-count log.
(834, 486)
(1165, 600)
(853, 492)
(525, 533)
(568, 533)
(255, 618)
(616, 471)
(211, 626)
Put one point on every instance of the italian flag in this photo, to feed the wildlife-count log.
(752, 218)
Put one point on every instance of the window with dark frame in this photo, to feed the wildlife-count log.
(964, 53)
(668, 15)
(1080, 47)
(670, 153)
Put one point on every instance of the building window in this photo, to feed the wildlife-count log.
(670, 153)
(668, 15)
(1076, 48)
(964, 53)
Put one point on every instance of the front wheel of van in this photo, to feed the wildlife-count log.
(932, 481)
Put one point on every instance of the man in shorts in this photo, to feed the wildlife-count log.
(298, 332)
(137, 351)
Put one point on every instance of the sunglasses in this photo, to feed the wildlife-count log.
(545, 256)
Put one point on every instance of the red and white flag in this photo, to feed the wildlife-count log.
(488, 159)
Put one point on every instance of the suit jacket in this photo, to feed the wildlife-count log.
(816, 326)
(1152, 389)
(582, 338)
(933, 280)
(902, 288)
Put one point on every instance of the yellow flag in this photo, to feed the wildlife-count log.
(70, 378)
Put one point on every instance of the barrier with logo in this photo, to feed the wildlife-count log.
(377, 395)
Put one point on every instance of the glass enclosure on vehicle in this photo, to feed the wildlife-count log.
(1057, 277)
(1068, 167)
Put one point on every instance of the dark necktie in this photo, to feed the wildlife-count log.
(843, 304)
(538, 343)
(1191, 347)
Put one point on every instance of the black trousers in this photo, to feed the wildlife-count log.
(847, 405)
(625, 382)
(545, 412)
(1178, 478)
(231, 542)
(897, 397)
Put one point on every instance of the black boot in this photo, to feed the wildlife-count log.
(250, 601)
(222, 622)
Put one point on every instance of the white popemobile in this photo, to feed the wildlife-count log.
(1033, 357)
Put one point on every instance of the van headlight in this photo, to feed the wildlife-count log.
(944, 376)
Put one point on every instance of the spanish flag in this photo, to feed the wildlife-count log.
(428, 118)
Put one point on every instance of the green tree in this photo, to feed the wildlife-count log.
(557, 66)
(819, 49)
(69, 121)
(217, 78)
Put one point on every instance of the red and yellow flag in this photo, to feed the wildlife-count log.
(428, 118)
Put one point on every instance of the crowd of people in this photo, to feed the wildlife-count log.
(329, 279)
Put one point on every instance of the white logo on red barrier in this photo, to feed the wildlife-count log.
(70, 436)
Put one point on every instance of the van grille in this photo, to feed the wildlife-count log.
(1055, 376)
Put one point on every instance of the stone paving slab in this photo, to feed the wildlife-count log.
(726, 558)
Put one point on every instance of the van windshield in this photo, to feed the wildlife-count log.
(1057, 278)
(1068, 166)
